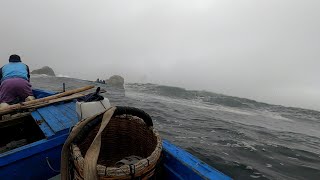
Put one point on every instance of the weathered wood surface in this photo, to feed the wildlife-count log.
(68, 95)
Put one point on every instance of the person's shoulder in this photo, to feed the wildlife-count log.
(24, 64)
(4, 65)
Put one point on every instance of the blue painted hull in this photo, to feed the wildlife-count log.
(30, 161)
(41, 159)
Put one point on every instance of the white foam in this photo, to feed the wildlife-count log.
(62, 75)
(255, 176)
(189, 103)
(274, 115)
(293, 158)
(39, 75)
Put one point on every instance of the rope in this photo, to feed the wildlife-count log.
(132, 170)
(47, 159)
(102, 104)
(66, 147)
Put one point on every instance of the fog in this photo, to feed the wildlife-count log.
(262, 50)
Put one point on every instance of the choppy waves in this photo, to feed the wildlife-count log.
(243, 138)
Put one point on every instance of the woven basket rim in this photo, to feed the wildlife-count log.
(125, 170)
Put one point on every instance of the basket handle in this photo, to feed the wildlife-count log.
(121, 110)
(91, 157)
(135, 112)
(66, 146)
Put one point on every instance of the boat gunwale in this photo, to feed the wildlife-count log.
(30, 149)
(196, 165)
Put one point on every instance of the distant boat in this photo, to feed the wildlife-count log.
(31, 146)
(100, 81)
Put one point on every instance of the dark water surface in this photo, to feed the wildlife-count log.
(242, 138)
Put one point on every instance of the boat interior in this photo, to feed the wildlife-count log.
(18, 132)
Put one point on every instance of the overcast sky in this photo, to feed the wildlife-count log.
(267, 50)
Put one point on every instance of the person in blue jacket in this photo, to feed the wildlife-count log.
(15, 82)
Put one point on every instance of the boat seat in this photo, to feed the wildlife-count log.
(56, 119)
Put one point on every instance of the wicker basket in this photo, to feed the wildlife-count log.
(129, 132)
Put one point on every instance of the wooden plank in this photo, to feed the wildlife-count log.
(47, 131)
(71, 114)
(72, 106)
(45, 99)
(7, 118)
(40, 104)
(64, 120)
(51, 119)
(54, 101)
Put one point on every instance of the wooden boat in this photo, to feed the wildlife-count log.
(34, 144)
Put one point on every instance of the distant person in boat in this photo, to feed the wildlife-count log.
(15, 82)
